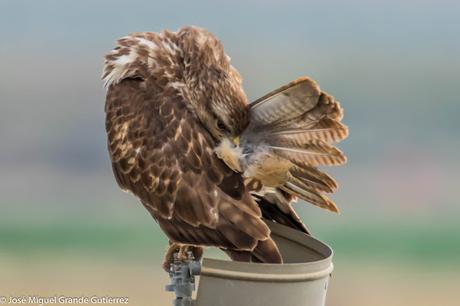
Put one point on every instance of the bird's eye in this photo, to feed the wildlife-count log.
(221, 126)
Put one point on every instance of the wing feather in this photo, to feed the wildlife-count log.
(297, 124)
(326, 130)
(314, 153)
(285, 103)
(313, 177)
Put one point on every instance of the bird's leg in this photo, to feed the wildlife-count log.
(196, 251)
(189, 252)
(184, 253)
(169, 256)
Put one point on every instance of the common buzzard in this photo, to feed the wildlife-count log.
(208, 166)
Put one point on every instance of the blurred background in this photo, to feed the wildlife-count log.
(66, 228)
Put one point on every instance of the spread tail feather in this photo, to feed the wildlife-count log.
(286, 102)
(315, 153)
(298, 124)
(313, 177)
(311, 195)
(326, 130)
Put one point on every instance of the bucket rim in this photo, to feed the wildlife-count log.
(286, 272)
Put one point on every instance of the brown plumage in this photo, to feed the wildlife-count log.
(175, 108)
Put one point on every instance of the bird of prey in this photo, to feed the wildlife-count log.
(208, 166)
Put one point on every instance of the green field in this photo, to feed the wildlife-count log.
(415, 244)
(374, 264)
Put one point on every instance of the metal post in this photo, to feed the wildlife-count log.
(182, 275)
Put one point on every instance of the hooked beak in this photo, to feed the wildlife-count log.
(236, 140)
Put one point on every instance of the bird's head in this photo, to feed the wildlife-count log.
(190, 62)
(213, 85)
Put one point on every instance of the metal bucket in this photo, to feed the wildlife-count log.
(301, 280)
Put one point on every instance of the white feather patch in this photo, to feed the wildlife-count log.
(118, 68)
(230, 154)
(148, 43)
